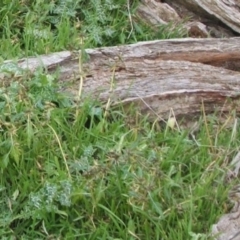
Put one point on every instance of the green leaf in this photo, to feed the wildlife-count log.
(5, 160)
(30, 133)
(15, 154)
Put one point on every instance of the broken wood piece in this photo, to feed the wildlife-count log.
(194, 18)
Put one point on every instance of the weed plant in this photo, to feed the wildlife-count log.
(35, 27)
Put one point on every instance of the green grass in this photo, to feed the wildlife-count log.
(37, 27)
(69, 171)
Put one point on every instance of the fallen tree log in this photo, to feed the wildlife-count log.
(180, 74)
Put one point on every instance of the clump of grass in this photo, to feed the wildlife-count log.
(66, 175)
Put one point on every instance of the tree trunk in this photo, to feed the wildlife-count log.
(158, 76)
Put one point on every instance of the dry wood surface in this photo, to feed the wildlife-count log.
(159, 76)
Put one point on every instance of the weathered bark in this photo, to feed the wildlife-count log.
(227, 11)
(157, 75)
(200, 18)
